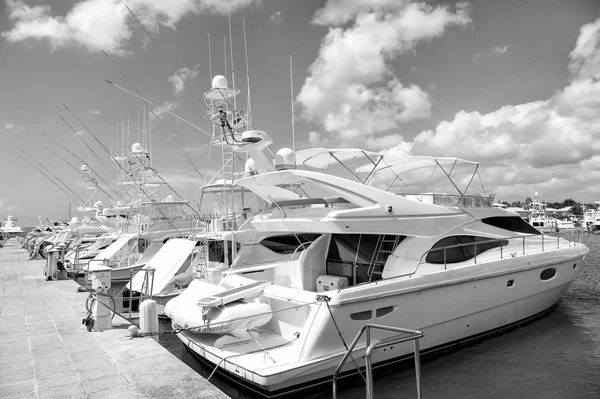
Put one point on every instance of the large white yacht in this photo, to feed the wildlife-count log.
(332, 253)
(348, 237)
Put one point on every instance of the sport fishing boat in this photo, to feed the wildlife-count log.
(331, 253)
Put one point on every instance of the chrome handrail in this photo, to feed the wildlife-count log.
(523, 237)
(413, 335)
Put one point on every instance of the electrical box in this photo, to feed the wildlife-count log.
(101, 279)
(331, 283)
(213, 275)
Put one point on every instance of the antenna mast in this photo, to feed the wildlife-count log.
(292, 100)
(247, 74)
(209, 59)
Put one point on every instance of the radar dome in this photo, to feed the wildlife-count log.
(137, 148)
(219, 82)
(284, 159)
(98, 204)
(84, 168)
(105, 212)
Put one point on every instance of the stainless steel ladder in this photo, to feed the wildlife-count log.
(408, 335)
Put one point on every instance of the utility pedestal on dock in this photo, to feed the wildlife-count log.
(51, 264)
(101, 306)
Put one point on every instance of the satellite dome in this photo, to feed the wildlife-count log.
(84, 168)
(137, 148)
(284, 159)
(219, 82)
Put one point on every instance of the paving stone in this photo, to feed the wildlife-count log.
(58, 380)
(62, 392)
(18, 388)
(103, 383)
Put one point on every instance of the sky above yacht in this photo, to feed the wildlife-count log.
(514, 86)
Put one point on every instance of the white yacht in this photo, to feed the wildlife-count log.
(333, 253)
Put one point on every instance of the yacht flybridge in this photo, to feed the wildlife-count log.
(348, 237)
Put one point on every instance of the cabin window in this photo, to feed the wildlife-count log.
(216, 251)
(383, 311)
(511, 223)
(461, 248)
(289, 244)
(366, 315)
(360, 257)
(547, 274)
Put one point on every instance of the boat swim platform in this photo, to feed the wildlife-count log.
(46, 351)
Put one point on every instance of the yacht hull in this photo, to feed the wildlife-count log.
(447, 314)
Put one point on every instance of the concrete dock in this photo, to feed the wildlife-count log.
(46, 352)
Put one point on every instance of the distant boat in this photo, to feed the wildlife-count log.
(10, 229)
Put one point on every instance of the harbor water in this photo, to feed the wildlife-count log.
(554, 357)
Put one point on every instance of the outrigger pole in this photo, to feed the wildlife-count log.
(45, 175)
(53, 175)
(78, 170)
(81, 160)
(88, 147)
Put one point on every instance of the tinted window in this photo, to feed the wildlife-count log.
(461, 248)
(512, 223)
(216, 251)
(289, 243)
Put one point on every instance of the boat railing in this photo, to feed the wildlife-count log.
(453, 200)
(405, 335)
(547, 242)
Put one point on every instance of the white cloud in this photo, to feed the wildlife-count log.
(105, 24)
(21, 128)
(94, 111)
(352, 90)
(9, 126)
(277, 18)
(495, 51)
(164, 107)
(531, 143)
(185, 74)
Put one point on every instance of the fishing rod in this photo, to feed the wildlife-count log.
(164, 130)
(81, 160)
(88, 147)
(158, 107)
(79, 170)
(53, 175)
(46, 176)
(125, 171)
(193, 95)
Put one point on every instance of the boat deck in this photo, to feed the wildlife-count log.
(46, 351)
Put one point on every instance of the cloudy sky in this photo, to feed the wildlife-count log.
(512, 85)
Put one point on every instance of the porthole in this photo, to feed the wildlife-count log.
(366, 315)
(548, 274)
(383, 311)
(510, 283)
(574, 266)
